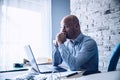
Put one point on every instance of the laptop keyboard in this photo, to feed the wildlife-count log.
(51, 68)
(46, 68)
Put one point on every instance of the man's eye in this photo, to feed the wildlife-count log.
(66, 26)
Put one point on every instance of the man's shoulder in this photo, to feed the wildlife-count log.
(88, 39)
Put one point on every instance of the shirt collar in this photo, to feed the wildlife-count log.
(78, 39)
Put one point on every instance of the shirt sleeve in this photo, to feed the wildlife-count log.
(56, 57)
(83, 55)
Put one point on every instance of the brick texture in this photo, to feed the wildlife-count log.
(100, 19)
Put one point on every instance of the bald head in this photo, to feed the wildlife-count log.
(71, 26)
(72, 19)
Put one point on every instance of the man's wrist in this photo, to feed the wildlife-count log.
(56, 44)
(59, 43)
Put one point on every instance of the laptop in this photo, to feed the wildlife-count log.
(43, 68)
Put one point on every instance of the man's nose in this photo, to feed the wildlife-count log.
(63, 30)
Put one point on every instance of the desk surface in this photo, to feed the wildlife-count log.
(9, 75)
(114, 75)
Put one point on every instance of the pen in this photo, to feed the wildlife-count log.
(72, 74)
(14, 70)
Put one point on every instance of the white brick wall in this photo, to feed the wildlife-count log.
(100, 19)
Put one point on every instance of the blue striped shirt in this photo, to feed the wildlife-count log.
(80, 54)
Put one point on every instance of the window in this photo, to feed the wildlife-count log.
(25, 22)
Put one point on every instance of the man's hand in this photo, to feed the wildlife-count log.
(60, 38)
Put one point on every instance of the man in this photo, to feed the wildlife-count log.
(77, 50)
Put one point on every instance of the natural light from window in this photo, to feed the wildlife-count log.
(19, 28)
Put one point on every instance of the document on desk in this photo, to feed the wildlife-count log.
(71, 74)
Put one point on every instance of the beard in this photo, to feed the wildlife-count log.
(70, 35)
(67, 36)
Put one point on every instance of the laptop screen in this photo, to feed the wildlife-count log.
(31, 58)
(42, 68)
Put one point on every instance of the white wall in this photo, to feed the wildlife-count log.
(100, 19)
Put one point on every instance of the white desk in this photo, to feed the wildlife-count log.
(9, 75)
(114, 75)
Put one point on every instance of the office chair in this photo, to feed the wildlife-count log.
(114, 58)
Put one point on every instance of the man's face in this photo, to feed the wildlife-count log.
(68, 29)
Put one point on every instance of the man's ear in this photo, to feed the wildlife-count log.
(76, 26)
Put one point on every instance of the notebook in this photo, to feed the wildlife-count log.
(43, 68)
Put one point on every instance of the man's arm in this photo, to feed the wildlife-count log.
(83, 55)
(56, 57)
